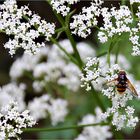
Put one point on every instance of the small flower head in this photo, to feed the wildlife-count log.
(91, 72)
(12, 122)
(61, 6)
(83, 22)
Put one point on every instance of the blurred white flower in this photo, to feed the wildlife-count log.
(12, 92)
(40, 107)
(58, 110)
(94, 132)
(52, 65)
(27, 63)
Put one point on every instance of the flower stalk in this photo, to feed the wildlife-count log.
(63, 128)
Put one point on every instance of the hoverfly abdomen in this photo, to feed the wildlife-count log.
(121, 87)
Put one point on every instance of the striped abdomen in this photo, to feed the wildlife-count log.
(121, 87)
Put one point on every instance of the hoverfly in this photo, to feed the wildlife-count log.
(122, 83)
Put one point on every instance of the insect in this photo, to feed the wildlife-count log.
(122, 83)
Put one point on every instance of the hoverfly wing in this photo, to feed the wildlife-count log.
(112, 82)
(132, 89)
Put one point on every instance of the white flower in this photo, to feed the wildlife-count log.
(134, 35)
(26, 63)
(58, 110)
(38, 107)
(12, 122)
(83, 22)
(94, 132)
(12, 92)
(122, 18)
(91, 73)
(41, 106)
(52, 65)
(38, 86)
(25, 28)
(61, 6)
(112, 73)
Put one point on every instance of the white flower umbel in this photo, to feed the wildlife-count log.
(12, 92)
(134, 35)
(12, 122)
(83, 22)
(27, 63)
(62, 6)
(40, 107)
(116, 22)
(122, 113)
(58, 110)
(94, 132)
(91, 73)
(24, 27)
(112, 73)
(52, 65)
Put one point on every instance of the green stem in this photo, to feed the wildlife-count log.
(59, 30)
(117, 53)
(97, 99)
(108, 53)
(62, 128)
(65, 25)
(111, 46)
(74, 48)
(101, 54)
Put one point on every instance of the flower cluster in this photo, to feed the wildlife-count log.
(58, 110)
(116, 22)
(52, 65)
(40, 107)
(61, 6)
(26, 30)
(120, 110)
(94, 132)
(134, 36)
(10, 92)
(91, 72)
(86, 19)
(12, 122)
